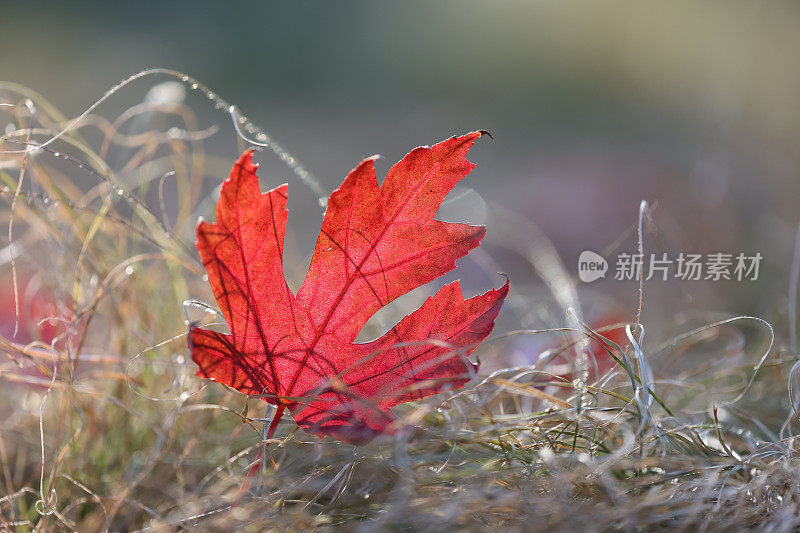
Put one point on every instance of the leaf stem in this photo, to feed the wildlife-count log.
(275, 420)
(270, 432)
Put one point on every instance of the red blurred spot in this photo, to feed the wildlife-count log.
(38, 312)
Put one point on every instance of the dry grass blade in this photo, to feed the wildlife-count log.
(105, 426)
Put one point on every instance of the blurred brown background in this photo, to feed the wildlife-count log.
(692, 106)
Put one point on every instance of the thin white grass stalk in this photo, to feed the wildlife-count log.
(32, 113)
(794, 275)
(261, 138)
(643, 210)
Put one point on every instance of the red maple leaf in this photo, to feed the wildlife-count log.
(376, 244)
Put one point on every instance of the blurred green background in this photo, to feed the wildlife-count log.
(692, 106)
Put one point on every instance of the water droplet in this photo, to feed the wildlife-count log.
(120, 192)
(184, 78)
(261, 137)
(211, 95)
(129, 270)
(195, 86)
(57, 154)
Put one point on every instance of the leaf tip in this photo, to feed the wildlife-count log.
(368, 162)
(247, 162)
(508, 280)
(502, 291)
(506, 286)
(243, 166)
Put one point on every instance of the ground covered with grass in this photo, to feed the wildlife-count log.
(105, 426)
